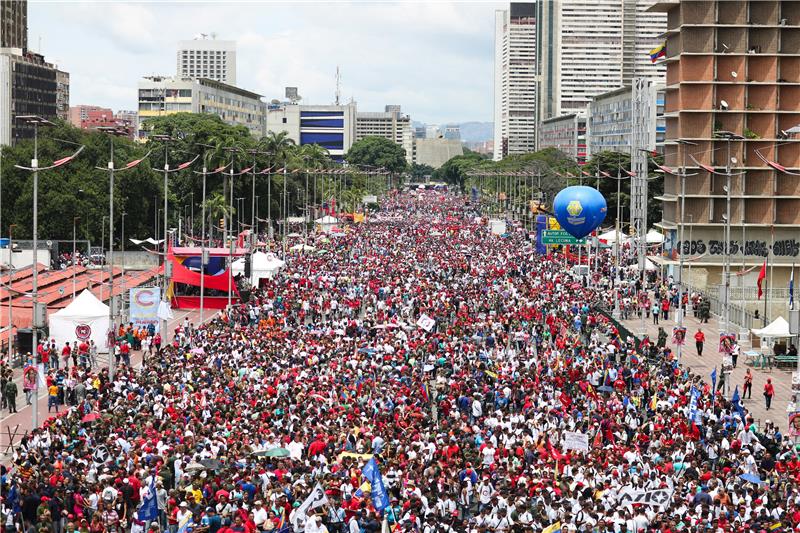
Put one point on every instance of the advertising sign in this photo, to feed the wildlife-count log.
(144, 306)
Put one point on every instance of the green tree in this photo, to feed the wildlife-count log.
(419, 172)
(377, 152)
(455, 170)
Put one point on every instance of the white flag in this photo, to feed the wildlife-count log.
(164, 310)
(426, 322)
(317, 498)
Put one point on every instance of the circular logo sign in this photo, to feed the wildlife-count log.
(145, 298)
(83, 331)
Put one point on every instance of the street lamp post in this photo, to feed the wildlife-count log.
(122, 279)
(10, 278)
(37, 121)
(165, 282)
(74, 252)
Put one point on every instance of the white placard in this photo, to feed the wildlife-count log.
(576, 441)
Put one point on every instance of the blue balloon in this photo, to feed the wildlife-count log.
(580, 210)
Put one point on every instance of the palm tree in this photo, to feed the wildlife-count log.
(217, 208)
(279, 145)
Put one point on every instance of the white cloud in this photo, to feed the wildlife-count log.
(433, 58)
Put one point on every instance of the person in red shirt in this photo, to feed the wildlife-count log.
(65, 352)
(699, 339)
(769, 392)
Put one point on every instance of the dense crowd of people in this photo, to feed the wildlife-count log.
(479, 377)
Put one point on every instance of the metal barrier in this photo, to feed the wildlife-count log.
(738, 315)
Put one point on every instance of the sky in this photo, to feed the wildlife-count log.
(433, 58)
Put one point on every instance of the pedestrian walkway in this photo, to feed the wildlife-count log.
(20, 422)
(781, 378)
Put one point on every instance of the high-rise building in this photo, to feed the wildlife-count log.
(27, 87)
(207, 58)
(332, 127)
(14, 24)
(62, 94)
(566, 133)
(391, 124)
(609, 120)
(436, 152)
(28, 84)
(419, 132)
(161, 95)
(733, 68)
(590, 47)
(515, 80)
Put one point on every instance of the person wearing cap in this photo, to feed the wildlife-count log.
(260, 514)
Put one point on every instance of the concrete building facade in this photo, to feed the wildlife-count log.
(590, 47)
(391, 124)
(609, 121)
(733, 67)
(515, 80)
(436, 152)
(14, 24)
(161, 95)
(207, 58)
(331, 126)
(566, 133)
(62, 95)
(28, 86)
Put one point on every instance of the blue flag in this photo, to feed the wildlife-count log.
(791, 290)
(713, 381)
(694, 414)
(380, 498)
(737, 403)
(149, 509)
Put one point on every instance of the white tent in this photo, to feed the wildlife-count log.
(648, 265)
(778, 328)
(327, 224)
(84, 319)
(302, 248)
(611, 237)
(654, 237)
(265, 265)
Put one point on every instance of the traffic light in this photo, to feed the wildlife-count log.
(222, 223)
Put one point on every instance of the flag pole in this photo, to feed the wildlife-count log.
(770, 265)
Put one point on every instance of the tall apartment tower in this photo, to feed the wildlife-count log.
(14, 24)
(590, 47)
(207, 58)
(733, 67)
(515, 80)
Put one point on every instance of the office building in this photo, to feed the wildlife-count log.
(419, 132)
(207, 58)
(591, 47)
(62, 95)
(609, 119)
(566, 133)
(733, 67)
(161, 95)
(452, 132)
(91, 117)
(28, 86)
(391, 124)
(515, 80)
(332, 127)
(14, 24)
(436, 152)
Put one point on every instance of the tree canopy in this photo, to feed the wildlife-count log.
(377, 152)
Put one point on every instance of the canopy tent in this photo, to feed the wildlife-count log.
(648, 265)
(263, 266)
(86, 318)
(778, 328)
(654, 237)
(610, 237)
(327, 224)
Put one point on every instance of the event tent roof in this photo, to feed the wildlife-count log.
(85, 304)
(777, 328)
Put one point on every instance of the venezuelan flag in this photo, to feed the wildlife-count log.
(658, 52)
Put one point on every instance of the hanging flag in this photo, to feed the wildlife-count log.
(713, 381)
(693, 411)
(761, 276)
(149, 509)
(791, 290)
(737, 402)
(380, 498)
(658, 52)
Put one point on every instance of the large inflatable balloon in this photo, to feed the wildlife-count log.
(580, 210)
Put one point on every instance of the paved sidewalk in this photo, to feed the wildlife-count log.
(20, 421)
(781, 378)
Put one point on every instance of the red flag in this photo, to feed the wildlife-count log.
(761, 276)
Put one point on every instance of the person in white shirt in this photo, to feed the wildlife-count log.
(260, 514)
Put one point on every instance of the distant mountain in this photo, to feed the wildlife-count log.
(477, 131)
